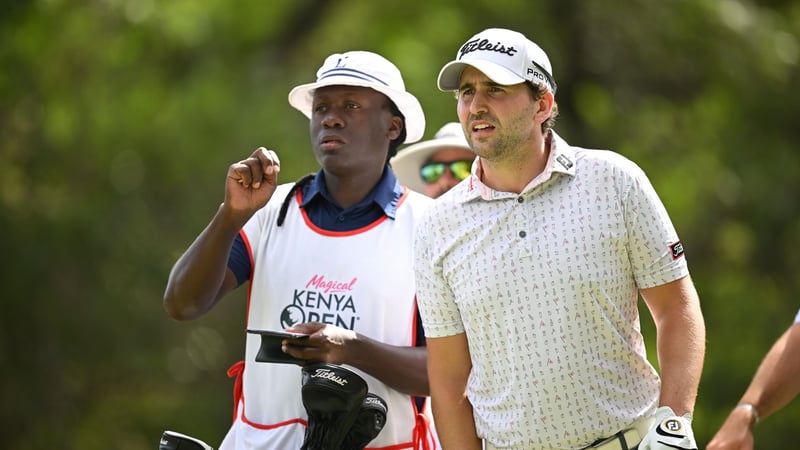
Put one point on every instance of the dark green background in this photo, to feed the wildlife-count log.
(119, 118)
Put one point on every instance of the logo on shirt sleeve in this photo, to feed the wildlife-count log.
(676, 249)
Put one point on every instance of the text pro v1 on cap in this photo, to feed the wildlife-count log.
(364, 69)
(505, 56)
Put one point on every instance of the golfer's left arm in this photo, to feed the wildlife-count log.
(681, 341)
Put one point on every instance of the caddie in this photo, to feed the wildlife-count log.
(329, 256)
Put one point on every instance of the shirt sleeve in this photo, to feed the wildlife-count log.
(655, 251)
(438, 308)
(797, 317)
(239, 260)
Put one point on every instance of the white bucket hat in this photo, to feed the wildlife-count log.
(506, 57)
(364, 69)
(408, 161)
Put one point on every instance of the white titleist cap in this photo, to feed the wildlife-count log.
(507, 57)
(364, 69)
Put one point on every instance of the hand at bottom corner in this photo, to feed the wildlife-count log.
(669, 432)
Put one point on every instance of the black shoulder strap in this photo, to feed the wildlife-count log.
(286, 201)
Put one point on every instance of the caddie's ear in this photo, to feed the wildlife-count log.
(395, 128)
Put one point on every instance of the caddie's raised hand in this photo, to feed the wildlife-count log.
(252, 181)
(669, 432)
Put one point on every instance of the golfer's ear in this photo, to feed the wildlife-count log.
(545, 107)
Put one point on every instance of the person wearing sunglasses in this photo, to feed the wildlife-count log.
(434, 166)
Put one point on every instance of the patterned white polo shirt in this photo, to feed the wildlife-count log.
(545, 284)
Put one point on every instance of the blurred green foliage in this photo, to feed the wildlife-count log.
(119, 118)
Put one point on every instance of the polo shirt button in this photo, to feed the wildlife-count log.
(522, 234)
(520, 199)
(341, 218)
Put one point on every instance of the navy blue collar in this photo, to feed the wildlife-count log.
(385, 195)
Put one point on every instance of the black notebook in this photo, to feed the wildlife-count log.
(270, 350)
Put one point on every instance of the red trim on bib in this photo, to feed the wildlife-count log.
(236, 370)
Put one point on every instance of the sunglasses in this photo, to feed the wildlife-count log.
(432, 171)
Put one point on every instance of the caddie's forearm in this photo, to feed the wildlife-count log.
(402, 368)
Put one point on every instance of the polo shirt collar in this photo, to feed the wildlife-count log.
(386, 194)
(561, 160)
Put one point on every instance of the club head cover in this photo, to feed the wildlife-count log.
(170, 440)
(332, 396)
(368, 424)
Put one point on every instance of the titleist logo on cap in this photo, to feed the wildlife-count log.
(484, 44)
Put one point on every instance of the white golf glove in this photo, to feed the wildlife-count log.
(669, 432)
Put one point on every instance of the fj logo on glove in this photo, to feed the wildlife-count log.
(673, 425)
(669, 431)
